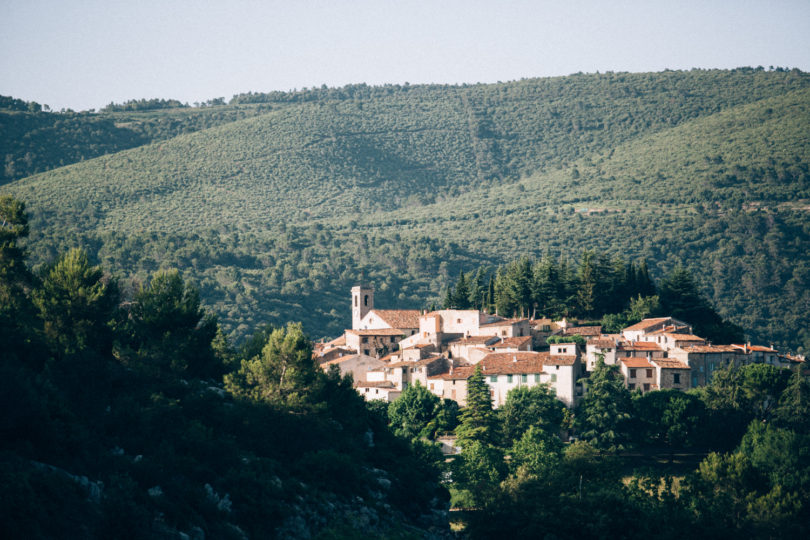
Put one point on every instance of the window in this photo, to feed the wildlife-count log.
(631, 386)
(493, 378)
(431, 387)
(508, 378)
(393, 339)
(646, 387)
(365, 340)
(365, 351)
(365, 300)
(537, 377)
(632, 373)
(524, 378)
(649, 374)
(694, 380)
(355, 301)
(553, 377)
(676, 378)
(458, 321)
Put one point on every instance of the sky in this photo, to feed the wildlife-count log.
(84, 54)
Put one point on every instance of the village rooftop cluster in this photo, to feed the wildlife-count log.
(388, 349)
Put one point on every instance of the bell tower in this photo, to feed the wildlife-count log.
(362, 303)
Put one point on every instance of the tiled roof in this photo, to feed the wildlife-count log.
(517, 341)
(473, 340)
(526, 356)
(516, 363)
(458, 373)
(337, 352)
(399, 318)
(337, 342)
(755, 348)
(583, 330)
(669, 363)
(684, 337)
(602, 343)
(646, 323)
(374, 384)
(640, 346)
(711, 349)
(636, 362)
(560, 360)
(415, 363)
(377, 332)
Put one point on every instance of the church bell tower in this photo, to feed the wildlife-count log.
(362, 303)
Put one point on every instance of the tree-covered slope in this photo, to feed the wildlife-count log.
(34, 141)
(277, 216)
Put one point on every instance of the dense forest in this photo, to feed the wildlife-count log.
(131, 416)
(128, 414)
(275, 215)
(620, 293)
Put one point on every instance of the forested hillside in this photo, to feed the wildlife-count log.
(34, 141)
(277, 215)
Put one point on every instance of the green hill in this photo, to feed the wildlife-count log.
(277, 215)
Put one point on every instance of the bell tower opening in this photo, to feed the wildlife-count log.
(362, 303)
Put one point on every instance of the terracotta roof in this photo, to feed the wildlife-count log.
(755, 348)
(516, 363)
(560, 360)
(683, 337)
(711, 349)
(583, 330)
(374, 384)
(636, 362)
(543, 357)
(377, 332)
(458, 373)
(669, 363)
(399, 318)
(646, 323)
(337, 352)
(602, 343)
(518, 341)
(338, 341)
(640, 346)
(473, 340)
(416, 363)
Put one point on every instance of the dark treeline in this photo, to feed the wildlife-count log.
(128, 415)
(621, 293)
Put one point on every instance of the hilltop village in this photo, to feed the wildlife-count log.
(388, 349)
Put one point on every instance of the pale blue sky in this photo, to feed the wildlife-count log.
(84, 54)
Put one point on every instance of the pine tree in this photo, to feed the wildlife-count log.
(477, 419)
(603, 415)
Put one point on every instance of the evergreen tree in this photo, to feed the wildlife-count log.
(477, 419)
(285, 374)
(18, 319)
(170, 333)
(602, 416)
(77, 305)
(461, 296)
